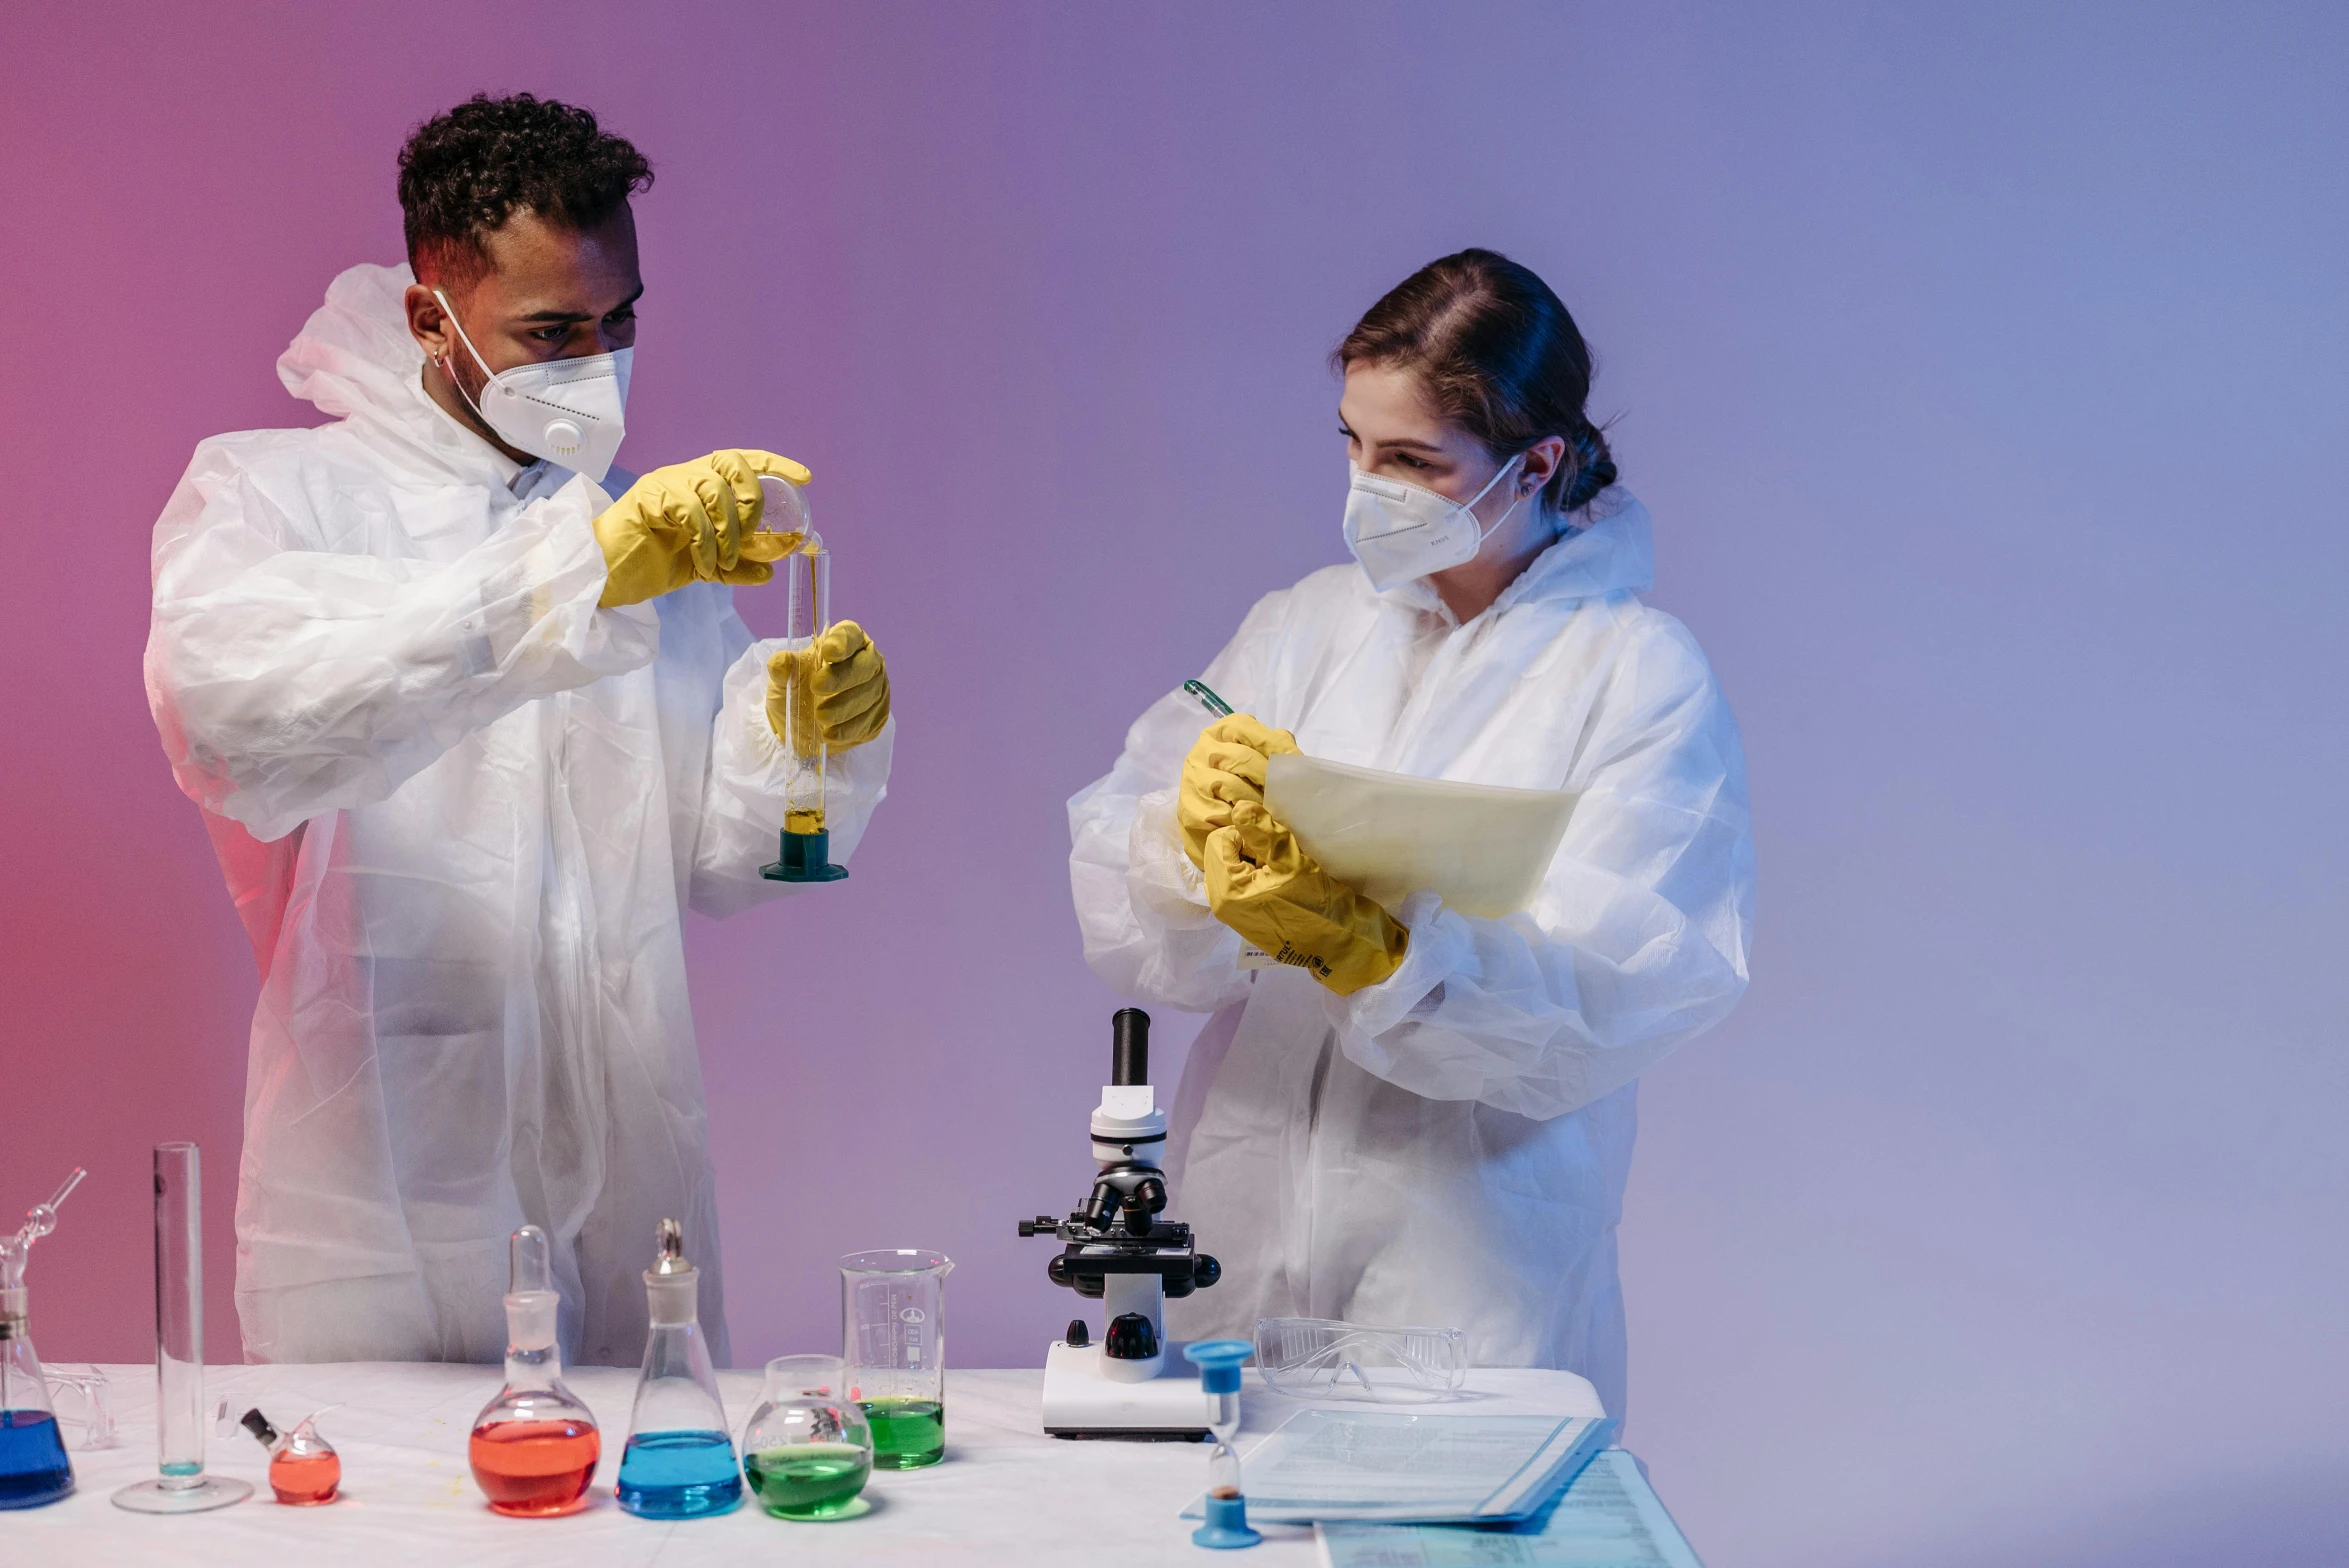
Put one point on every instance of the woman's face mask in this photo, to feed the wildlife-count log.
(1400, 531)
(567, 411)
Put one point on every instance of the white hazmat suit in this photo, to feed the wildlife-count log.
(461, 810)
(1448, 1146)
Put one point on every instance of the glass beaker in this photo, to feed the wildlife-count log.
(893, 1328)
(808, 1450)
(183, 1487)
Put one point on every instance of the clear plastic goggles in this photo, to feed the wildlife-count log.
(1322, 1358)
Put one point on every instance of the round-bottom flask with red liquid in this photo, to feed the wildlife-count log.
(530, 1468)
(304, 1469)
(535, 1446)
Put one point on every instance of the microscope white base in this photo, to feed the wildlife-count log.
(1080, 1400)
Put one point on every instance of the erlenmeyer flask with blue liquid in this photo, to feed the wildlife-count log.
(679, 1462)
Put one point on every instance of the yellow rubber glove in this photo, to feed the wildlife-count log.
(1225, 767)
(1264, 886)
(849, 695)
(693, 522)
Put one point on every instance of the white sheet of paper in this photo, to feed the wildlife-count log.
(1609, 1518)
(1329, 1464)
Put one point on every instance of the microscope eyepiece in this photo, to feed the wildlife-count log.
(1129, 1052)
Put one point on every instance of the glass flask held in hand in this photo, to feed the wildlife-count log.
(535, 1446)
(33, 1466)
(679, 1462)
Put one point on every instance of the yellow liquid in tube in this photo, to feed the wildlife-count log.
(803, 819)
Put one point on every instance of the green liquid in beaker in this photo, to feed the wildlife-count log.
(808, 1480)
(907, 1433)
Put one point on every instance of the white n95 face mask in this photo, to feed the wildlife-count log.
(1400, 532)
(568, 411)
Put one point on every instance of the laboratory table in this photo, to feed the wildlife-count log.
(1005, 1493)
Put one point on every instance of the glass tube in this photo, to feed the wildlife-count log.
(182, 1487)
(807, 614)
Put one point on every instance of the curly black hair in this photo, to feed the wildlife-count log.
(464, 173)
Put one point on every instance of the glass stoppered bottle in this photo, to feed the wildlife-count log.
(534, 1446)
(33, 1466)
(304, 1469)
(679, 1462)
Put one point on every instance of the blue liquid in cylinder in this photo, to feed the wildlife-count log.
(33, 1466)
(679, 1475)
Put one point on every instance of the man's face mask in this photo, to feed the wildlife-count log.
(568, 411)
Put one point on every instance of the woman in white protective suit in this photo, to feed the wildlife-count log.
(470, 730)
(1417, 1115)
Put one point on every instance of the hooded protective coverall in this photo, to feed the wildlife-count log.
(1448, 1146)
(460, 809)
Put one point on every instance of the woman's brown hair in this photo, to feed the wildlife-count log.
(1499, 356)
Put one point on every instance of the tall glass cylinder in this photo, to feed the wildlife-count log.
(182, 1486)
(808, 614)
(806, 852)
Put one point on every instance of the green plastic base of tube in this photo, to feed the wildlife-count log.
(807, 857)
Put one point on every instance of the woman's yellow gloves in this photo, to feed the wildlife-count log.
(844, 686)
(1264, 886)
(1225, 767)
(693, 522)
(1260, 882)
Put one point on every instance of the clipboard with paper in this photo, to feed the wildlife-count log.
(1482, 848)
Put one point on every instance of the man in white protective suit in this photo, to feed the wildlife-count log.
(472, 719)
(1418, 1115)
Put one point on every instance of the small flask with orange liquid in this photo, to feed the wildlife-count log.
(303, 1468)
(535, 1446)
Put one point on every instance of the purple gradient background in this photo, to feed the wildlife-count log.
(1985, 372)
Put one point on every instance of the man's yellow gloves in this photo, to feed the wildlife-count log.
(1260, 881)
(693, 522)
(843, 686)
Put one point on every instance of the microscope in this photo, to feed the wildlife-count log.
(1117, 1251)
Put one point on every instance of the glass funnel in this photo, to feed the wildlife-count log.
(679, 1462)
(33, 1466)
(535, 1446)
(893, 1327)
(182, 1487)
(808, 1451)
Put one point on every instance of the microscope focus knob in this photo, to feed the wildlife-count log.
(1130, 1338)
(1205, 1271)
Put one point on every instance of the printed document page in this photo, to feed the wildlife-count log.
(1609, 1518)
(1328, 1464)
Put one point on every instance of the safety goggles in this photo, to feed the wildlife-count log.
(1322, 1358)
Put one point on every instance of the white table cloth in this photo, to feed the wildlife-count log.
(1005, 1493)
